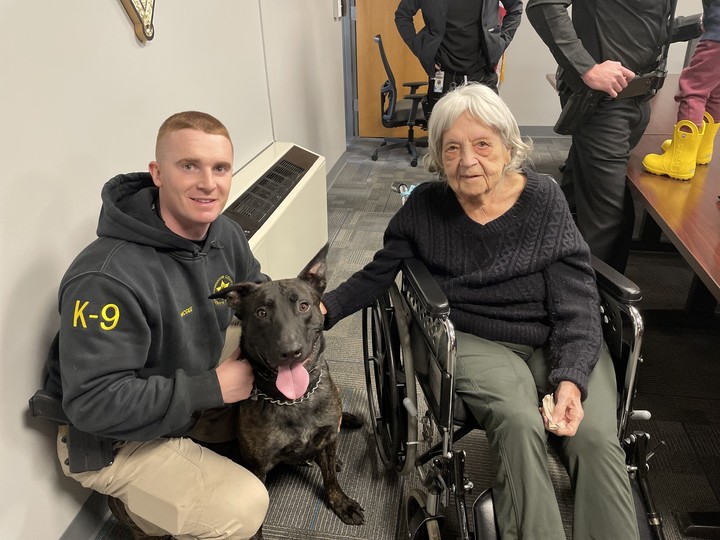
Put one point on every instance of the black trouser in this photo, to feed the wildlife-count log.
(594, 178)
(452, 80)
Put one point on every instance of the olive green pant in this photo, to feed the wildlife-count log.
(501, 385)
(178, 487)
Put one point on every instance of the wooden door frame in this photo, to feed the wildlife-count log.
(350, 70)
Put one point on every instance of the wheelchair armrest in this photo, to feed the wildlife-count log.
(427, 289)
(614, 284)
(45, 405)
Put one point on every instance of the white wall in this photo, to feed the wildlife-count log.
(306, 81)
(528, 60)
(80, 101)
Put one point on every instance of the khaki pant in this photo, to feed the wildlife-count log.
(178, 487)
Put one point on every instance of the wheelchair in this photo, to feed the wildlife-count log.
(409, 349)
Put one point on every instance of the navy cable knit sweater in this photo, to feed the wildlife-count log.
(523, 278)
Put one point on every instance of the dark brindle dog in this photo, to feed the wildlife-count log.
(295, 413)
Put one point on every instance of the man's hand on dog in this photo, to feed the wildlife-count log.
(567, 411)
(235, 377)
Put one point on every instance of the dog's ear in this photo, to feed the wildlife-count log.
(314, 272)
(234, 293)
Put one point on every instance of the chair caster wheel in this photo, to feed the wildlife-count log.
(374, 157)
(413, 163)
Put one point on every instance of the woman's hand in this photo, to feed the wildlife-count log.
(567, 412)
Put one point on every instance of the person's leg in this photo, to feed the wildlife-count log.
(487, 77)
(605, 215)
(700, 91)
(697, 83)
(604, 506)
(498, 389)
(430, 98)
(177, 487)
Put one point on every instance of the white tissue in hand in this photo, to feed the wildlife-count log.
(548, 404)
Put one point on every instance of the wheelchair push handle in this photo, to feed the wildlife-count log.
(410, 407)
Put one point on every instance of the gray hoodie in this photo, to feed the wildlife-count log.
(138, 335)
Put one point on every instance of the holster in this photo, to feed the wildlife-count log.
(86, 452)
(687, 28)
(578, 108)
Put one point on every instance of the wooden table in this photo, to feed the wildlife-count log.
(688, 212)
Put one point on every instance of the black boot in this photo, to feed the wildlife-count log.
(118, 510)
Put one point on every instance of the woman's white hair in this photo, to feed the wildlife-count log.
(483, 104)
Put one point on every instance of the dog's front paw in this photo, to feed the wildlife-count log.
(350, 511)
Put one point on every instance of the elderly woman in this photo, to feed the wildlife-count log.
(500, 241)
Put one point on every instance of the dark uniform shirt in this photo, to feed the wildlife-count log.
(632, 33)
(460, 49)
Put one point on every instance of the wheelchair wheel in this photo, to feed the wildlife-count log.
(385, 379)
(420, 525)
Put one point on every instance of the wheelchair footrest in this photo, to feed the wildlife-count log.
(419, 522)
(699, 524)
(484, 514)
(418, 528)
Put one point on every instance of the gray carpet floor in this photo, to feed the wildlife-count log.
(679, 381)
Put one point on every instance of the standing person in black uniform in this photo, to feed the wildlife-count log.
(603, 47)
(462, 41)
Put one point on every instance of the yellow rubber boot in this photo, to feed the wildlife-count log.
(678, 160)
(705, 150)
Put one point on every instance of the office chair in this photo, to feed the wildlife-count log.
(400, 112)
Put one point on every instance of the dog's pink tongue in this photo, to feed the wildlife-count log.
(293, 380)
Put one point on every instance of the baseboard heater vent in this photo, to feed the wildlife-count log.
(254, 206)
(280, 200)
